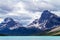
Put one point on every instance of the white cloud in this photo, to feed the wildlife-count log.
(55, 3)
(19, 11)
(29, 8)
(24, 15)
(56, 12)
(1, 19)
(39, 5)
(8, 2)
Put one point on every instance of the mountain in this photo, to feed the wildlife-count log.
(47, 24)
(9, 23)
(14, 28)
(34, 23)
(47, 21)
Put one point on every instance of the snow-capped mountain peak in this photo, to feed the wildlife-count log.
(46, 21)
(10, 24)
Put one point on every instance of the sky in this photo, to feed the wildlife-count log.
(25, 11)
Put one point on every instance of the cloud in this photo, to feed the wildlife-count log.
(8, 2)
(1, 19)
(40, 5)
(7, 6)
(25, 11)
(56, 13)
(5, 9)
(22, 15)
(56, 3)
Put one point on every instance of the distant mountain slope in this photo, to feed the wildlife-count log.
(55, 31)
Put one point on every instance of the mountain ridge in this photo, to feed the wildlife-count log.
(47, 22)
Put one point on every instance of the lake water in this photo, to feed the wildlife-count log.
(29, 37)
